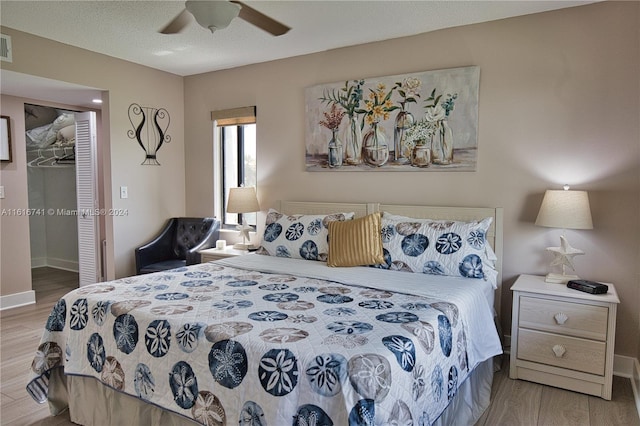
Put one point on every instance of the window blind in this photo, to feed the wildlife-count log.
(234, 116)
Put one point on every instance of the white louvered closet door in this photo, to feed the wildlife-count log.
(87, 194)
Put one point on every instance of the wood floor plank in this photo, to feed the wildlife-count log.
(620, 410)
(20, 333)
(515, 403)
(500, 375)
(25, 411)
(8, 398)
(561, 408)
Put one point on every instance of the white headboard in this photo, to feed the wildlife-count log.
(494, 236)
(303, 207)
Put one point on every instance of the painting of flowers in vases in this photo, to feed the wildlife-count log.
(423, 121)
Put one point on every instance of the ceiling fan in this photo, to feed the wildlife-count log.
(217, 14)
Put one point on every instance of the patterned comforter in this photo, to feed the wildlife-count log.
(247, 341)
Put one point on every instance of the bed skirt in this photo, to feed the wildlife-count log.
(91, 403)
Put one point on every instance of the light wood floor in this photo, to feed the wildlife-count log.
(20, 333)
(514, 402)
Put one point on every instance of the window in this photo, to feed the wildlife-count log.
(235, 158)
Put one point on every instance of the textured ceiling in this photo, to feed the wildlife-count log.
(129, 29)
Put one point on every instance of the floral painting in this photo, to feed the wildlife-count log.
(424, 121)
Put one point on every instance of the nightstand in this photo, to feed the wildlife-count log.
(563, 337)
(209, 255)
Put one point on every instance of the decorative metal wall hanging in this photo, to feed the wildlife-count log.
(424, 121)
(149, 130)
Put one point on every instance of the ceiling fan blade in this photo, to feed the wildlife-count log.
(261, 20)
(178, 23)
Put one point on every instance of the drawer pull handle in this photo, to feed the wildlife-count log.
(559, 351)
(561, 318)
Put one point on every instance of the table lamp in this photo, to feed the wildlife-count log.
(567, 210)
(243, 200)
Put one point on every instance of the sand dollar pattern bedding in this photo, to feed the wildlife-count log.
(223, 345)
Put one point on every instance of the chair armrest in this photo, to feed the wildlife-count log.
(193, 257)
(158, 249)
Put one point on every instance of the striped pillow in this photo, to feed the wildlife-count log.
(356, 242)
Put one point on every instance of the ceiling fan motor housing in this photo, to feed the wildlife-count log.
(214, 15)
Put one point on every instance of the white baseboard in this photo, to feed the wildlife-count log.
(38, 262)
(24, 298)
(629, 367)
(66, 265)
(635, 384)
(17, 299)
(623, 366)
(52, 262)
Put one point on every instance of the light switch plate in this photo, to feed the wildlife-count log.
(124, 192)
(1, 191)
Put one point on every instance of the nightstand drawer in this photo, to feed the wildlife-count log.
(562, 351)
(572, 319)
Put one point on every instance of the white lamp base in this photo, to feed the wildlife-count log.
(242, 246)
(559, 278)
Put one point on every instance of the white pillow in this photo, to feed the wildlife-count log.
(67, 134)
(63, 120)
(438, 247)
(298, 236)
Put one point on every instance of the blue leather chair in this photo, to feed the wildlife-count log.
(177, 244)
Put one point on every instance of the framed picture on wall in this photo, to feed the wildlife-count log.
(5, 141)
(422, 121)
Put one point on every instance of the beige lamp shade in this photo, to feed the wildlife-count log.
(565, 209)
(242, 200)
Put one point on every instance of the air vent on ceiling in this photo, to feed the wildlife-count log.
(5, 48)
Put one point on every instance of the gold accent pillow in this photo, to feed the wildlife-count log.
(356, 242)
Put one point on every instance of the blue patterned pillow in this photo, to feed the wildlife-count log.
(438, 247)
(298, 236)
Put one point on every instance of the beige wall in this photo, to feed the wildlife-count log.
(155, 193)
(559, 103)
(15, 254)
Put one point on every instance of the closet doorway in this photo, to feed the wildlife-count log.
(62, 186)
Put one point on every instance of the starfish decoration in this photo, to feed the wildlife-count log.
(244, 230)
(564, 254)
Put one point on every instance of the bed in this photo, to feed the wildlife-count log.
(285, 338)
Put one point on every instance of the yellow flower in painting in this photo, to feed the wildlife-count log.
(379, 104)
